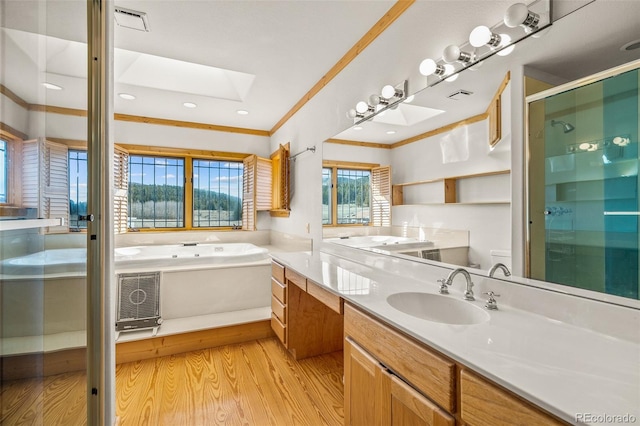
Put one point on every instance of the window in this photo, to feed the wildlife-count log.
(77, 188)
(356, 194)
(217, 193)
(353, 197)
(4, 160)
(156, 192)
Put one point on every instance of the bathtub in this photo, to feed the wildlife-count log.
(72, 262)
(165, 256)
(202, 286)
(370, 241)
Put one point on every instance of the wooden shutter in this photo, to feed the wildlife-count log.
(45, 181)
(120, 190)
(249, 193)
(280, 192)
(263, 181)
(381, 196)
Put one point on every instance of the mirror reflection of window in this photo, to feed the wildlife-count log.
(3, 171)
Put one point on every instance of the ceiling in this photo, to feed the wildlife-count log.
(278, 50)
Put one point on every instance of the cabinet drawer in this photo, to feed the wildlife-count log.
(277, 271)
(296, 278)
(278, 309)
(279, 329)
(431, 373)
(329, 299)
(483, 403)
(278, 290)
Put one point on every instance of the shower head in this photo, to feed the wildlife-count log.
(567, 127)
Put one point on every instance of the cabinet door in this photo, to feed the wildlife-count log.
(363, 381)
(409, 407)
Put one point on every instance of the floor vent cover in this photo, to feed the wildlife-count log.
(138, 301)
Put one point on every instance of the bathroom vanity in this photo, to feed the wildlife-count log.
(466, 365)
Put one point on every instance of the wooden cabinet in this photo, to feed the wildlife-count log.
(428, 371)
(279, 302)
(376, 396)
(483, 403)
(390, 379)
(306, 318)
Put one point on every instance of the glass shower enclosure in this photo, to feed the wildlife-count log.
(43, 285)
(583, 183)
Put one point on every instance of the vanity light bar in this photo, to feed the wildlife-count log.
(519, 22)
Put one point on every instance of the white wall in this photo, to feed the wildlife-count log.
(358, 154)
(178, 137)
(462, 151)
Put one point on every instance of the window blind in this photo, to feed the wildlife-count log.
(45, 181)
(263, 183)
(120, 189)
(381, 196)
(249, 193)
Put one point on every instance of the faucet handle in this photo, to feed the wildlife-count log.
(443, 286)
(491, 304)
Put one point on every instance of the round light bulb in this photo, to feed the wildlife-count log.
(480, 36)
(352, 113)
(451, 53)
(388, 91)
(428, 67)
(506, 41)
(362, 107)
(516, 15)
(449, 69)
(374, 100)
(585, 146)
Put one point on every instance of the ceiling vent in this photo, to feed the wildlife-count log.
(460, 94)
(131, 19)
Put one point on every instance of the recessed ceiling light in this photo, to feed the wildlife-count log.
(126, 96)
(357, 128)
(51, 86)
(391, 132)
(189, 105)
(242, 112)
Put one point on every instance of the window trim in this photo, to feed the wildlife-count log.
(188, 155)
(14, 165)
(334, 165)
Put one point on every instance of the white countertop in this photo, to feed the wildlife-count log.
(558, 366)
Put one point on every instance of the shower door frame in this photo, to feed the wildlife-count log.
(612, 72)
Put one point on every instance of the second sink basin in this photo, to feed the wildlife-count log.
(436, 308)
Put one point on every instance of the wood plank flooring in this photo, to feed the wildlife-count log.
(253, 383)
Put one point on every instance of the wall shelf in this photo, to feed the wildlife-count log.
(450, 187)
(12, 224)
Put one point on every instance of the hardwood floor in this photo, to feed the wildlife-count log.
(254, 383)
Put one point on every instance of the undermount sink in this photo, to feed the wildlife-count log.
(436, 308)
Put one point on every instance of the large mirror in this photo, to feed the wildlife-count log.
(455, 176)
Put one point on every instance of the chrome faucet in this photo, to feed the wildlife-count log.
(468, 293)
(497, 266)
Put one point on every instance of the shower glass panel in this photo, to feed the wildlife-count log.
(583, 186)
(42, 265)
